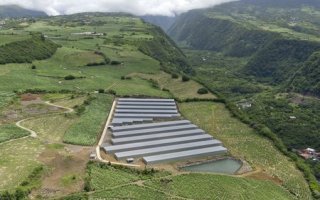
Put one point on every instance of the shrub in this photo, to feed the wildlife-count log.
(115, 62)
(101, 91)
(175, 76)
(69, 77)
(33, 67)
(112, 92)
(185, 78)
(203, 91)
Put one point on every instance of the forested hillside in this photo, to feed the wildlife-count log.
(14, 11)
(26, 51)
(162, 48)
(164, 22)
(263, 58)
(307, 79)
(276, 37)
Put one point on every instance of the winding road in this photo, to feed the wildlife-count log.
(33, 133)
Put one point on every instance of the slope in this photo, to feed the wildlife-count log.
(14, 11)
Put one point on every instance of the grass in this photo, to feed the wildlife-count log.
(5, 39)
(124, 183)
(5, 97)
(243, 142)
(90, 124)
(204, 186)
(46, 127)
(17, 161)
(179, 89)
(129, 192)
(108, 178)
(9, 132)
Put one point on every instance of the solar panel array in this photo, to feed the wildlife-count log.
(157, 142)
(133, 110)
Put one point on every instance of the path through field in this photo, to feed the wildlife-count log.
(33, 133)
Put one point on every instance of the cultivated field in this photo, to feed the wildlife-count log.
(72, 77)
(122, 183)
(243, 142)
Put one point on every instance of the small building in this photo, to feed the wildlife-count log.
(244, 104)
(293, 117)
(93, 156)
(311, 151)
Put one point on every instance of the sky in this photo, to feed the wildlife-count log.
(137, 7)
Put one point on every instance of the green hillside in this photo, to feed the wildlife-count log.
(100, 57)
(254, 29)
(262, 57)
(280, 60)
(26, 51)
(307, 79)
(14, 11)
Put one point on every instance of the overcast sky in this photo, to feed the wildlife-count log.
(137, 7)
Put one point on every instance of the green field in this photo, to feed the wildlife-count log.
(9, 132)
(121, 183)
(243, 142)
(120, 41)
(5, 39)
(90, 123)
(17, 161)
(178, 88)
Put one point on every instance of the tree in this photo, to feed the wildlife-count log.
(174, 76)
(185, 78)
(69, 77)
(203, 91)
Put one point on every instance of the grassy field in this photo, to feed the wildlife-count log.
(46, 127)
(9, 132)
(178, 88)
(90, 124)
(243, 142)
(204, 186)
(122, 183)
(5, 97)
(17, 160)
(5, 39)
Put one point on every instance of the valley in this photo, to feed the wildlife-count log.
(60, 75)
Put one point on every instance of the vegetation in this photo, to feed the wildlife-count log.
(18, 155)
(175, 87)
(91, 120)
(9, 132)
(69, 77)
(307, 80)
(243, 142)
(185, 78)
(203, 91)
(163, 49)
(121, 182)
(36, 48)
(280, 60)
(267, 59)
(174, 76)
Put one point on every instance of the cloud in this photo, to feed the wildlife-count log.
(137, 7)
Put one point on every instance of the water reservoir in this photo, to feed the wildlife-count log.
(223, 166)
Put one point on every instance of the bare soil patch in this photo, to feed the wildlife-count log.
(67, 171)
(264, 176)
(30, 97)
